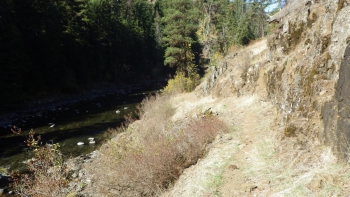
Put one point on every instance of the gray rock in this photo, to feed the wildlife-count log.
(74, 175)
(316, 184)
(336, 114)
(76, 167)
(248, 187)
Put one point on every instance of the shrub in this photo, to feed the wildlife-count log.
(216, 58)
(47, 174)
(149, 159)
(156, 108)
(181, 83)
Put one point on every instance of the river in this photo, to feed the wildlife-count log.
(75, 121)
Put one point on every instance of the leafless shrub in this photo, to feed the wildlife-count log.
(149, 158)
(158, 106)
(46, 177)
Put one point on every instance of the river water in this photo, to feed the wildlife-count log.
(74, 122)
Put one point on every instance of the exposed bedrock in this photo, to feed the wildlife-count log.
(336, 114)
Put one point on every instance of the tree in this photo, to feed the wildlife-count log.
(58, 46)
(258, 15)
(228, 22)
(213, 27)
(180, 24)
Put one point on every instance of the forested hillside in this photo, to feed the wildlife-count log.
(59, 46)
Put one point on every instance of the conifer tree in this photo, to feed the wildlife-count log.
(180, 24)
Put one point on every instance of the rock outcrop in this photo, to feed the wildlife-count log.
(336, 114)
(298, 72)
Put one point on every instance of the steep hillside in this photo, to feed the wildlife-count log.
(298, 73)
(287, 97)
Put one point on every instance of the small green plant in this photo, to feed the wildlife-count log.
(216, 58)
(73, 194)
(216, 180)
(224, 107)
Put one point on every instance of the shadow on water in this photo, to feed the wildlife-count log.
(73, 123)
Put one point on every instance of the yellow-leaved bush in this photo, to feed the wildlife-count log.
(181, 83)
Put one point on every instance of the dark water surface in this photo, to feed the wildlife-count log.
(74, 122)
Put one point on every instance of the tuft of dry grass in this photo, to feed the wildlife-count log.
(296, 170)
(152, 153)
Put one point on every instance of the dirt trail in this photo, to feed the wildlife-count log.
(221, 172)
(254, 121)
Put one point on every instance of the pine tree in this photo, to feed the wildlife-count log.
(180, 24)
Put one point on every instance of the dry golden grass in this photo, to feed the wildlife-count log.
(152, 153)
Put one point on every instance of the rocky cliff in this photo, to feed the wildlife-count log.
(302, 70)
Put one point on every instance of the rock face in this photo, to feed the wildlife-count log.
(297, 69)
(336, 114)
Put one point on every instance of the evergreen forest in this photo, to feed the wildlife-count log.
(50, 47)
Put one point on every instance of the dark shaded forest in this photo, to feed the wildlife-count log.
(50, 47)
(59, 46)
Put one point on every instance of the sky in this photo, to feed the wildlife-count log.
(271, 7)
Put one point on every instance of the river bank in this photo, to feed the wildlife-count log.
(56, 102)
(75, 118)
(71, 119)
(75, 167)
